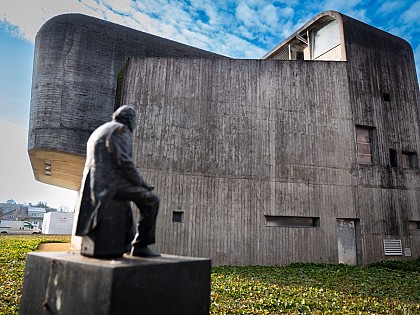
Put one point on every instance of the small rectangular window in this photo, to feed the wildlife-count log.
(393, 158)
(299, 55)
(409, 160)
(387, 97)
(414, 225)
(291, 221)
(364, 145)
(178, 216)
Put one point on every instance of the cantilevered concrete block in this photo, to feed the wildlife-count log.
(68, 283)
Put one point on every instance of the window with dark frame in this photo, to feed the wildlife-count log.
(414, 225)
(299, 55)
(409, 160)
(387, 97)
(364, 145)
(178, 216)
(393, 158)
(291, 221)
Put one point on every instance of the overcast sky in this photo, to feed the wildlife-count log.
(239, 29)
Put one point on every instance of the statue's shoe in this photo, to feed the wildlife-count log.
(143, 252)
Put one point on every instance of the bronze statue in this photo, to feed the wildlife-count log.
(110, 178)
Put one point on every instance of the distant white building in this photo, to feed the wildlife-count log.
(36, 212)
(58, 223)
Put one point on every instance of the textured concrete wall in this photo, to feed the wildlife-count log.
(381, 63)
(77, 59)
(230, 141)
(384, 96)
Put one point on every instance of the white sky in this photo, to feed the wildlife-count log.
(17, 181)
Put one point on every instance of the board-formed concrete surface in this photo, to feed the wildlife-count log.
(68, 284)
(257, 162)
(76, 65)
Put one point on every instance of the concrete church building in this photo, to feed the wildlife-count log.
(307, 155)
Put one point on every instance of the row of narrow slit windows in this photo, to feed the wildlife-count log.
(367, 154)
(284, 221)
(289, 221)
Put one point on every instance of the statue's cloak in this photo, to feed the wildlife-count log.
(109, 167)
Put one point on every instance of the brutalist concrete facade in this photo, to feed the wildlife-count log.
(76, 64)
(311, 157)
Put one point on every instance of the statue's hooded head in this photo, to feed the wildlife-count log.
(125, 115)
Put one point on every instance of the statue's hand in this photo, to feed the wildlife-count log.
(148, 186)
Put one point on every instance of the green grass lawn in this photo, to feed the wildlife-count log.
(384, 288)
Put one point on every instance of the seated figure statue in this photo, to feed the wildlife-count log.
(110, 181)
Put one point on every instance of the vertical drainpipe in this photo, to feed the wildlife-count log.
(290, 52)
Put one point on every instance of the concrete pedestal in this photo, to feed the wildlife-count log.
(68, 283)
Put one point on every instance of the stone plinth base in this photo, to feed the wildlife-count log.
(68, 283)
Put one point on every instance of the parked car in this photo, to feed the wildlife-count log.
(18, 227)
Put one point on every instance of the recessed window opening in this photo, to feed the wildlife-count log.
(325, 38)
(178, 216)
(387, 97)
(48, 167)
(364, 144)
(409, 160)
(299, 55)
(414, 225)
(291, 221)
(393, 158)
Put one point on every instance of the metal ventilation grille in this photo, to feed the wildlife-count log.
(392, 248)
(282, 55)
